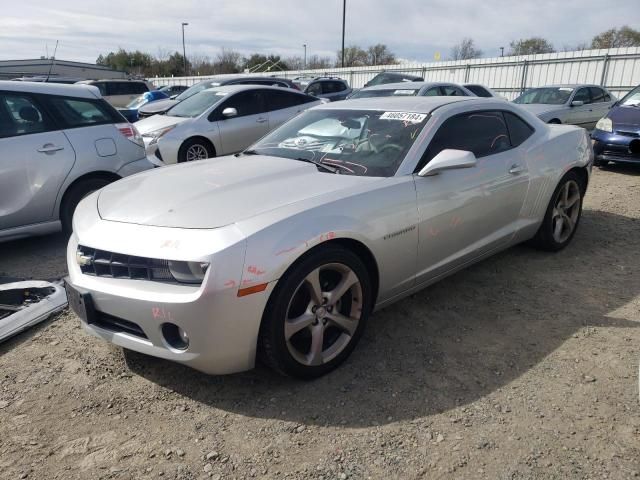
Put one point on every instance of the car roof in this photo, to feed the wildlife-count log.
(89, 82)
(407, 85)
(568, 85)
(400, 104)
(249, 86)
(73, 90)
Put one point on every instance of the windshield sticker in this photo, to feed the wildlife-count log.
(221, 94)
(565, 89)
(404, 116)
(404, 92)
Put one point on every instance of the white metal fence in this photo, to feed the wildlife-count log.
(617, 69)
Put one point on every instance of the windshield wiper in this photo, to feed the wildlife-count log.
(318, 164)
(246, 152)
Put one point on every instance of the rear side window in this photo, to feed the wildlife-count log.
(333, 87)
(21, 115)
(102, 87)
(126, 88)
(478, 90)
(483, 133)
(451, 91)
(81, 112)
(279, 99)
(519, 130)
(432, 92)
(597, 94)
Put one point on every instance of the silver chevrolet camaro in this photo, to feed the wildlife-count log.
(282, 252)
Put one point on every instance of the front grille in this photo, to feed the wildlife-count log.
(101, 263)
(621, 154)
(118, 325)
(628, 134)
(158, 155)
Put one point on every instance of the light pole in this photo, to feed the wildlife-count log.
(305, 57)
(344, 17)
(184, 51)
(502, 51)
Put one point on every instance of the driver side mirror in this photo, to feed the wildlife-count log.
(230, 112)
(448, 159)
(577, 103)
(173, 97)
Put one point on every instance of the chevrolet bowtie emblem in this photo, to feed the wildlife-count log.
(83, 260)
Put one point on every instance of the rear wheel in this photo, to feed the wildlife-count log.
(563, 214)
(73, 197)
(195, 149)
(316, 314)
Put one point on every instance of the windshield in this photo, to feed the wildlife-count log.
(547, 96)
(196, 105)
(631, 99)
(395, 92)
(355, 142)
(138, 102)
(191, 91)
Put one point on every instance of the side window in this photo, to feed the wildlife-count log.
(597, 95)
(607, 97)
(432, 92)
(138, 87)
(314, 89)
(277, 100)
(478, 90)
(483, 133)
(102, 87)
(250, 102)
(451, 91)
(20, 115)
(79, 112)
(519, 130)
(582, 95)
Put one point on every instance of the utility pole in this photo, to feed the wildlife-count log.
(184, 51)
(305, 57)
(502, 51)
(344, 18)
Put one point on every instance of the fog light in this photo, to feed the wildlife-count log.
(634, 147)
(175, 336)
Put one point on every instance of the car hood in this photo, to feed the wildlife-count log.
(157, 122)
(158, 106)
(217, 192)
(540, 108)
(621, 115)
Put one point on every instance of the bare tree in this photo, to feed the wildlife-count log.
(354, 56)
(531, 46)
(380, 55)
(465, 50)
(622, 37)
(229, 61)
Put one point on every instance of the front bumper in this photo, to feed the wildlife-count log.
(222, 327)
(613, 147)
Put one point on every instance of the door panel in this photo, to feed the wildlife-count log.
(251, 124)
(32, 169)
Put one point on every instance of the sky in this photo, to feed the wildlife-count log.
(413, 29)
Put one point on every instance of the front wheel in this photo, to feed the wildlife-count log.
(316, 314)
(195, 149)
(563, 214)
(73, 197)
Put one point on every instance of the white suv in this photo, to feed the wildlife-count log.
(58, 143)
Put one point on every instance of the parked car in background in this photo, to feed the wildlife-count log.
(581, 105)
(392, 77)
(219, 121)
(617, 134)
(481, 91)
(173, 90)
(413, 89)
(331, 88)
(218, 81)
(120, 93)
(49, 79)
(130, 112)
(59, 143)
(274, 255)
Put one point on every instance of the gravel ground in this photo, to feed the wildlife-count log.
(523, 366)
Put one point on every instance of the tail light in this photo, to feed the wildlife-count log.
(131, 133)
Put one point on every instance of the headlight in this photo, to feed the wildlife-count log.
(188, 272)
(605, 124)
(156, 134)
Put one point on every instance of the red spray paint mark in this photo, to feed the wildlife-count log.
(255, 270)
(161, 313)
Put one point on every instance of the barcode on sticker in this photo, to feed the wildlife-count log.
(404, 116)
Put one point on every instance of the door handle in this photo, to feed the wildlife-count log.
(50, 148)
(516, 169)
(262, 120)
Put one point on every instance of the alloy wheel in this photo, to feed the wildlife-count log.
(197, 152)
(566, 211)
(323, 314)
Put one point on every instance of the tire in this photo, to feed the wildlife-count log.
(195, 149)
(333, 327)
(554, 121)
(565, 208)
(74, 195)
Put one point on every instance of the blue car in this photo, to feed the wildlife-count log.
(130, 112)
(616, 137)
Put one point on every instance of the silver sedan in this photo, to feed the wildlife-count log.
(285, 251)
(413, 89)
(581, 105)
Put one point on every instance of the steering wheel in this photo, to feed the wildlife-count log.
(391, 146)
